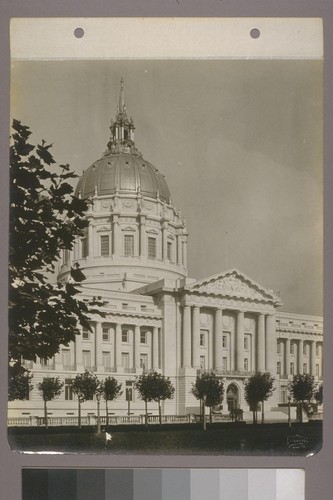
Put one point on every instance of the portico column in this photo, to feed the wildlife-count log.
(136, 346)
(164, 241)
(78, 352)
(261, 343)
(240, 341)
(270, 344)
(90, 240)
(196, 337)
(185, 252)
(218, 339)
(287, 357)
(187, 348)
(232, 350)
(98, 346)
(118, 346)
(300, 357)
(179, 251)
(116, 236)
(155, 348)
(143, 236)
(313, 358)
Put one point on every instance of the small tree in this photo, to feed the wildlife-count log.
(85, 385)
(50, 389)
(209, 389)
(258, 388)
(154, 387)
(110, 390)
(302, 389)
(19, 384)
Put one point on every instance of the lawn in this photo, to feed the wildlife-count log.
(224, 439)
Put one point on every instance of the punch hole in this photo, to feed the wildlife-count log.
(79, 32)
(255, 33)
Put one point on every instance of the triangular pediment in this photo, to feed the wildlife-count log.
(234, 284)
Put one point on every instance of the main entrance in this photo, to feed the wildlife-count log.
(232, 397)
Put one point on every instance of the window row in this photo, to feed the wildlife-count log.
(128, 247)
(225, 363)
(125, 335)
(292, 369)
(294, 348)
(204, 334)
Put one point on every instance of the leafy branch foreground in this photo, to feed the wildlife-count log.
(45, 219)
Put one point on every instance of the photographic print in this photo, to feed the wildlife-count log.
(166, 256)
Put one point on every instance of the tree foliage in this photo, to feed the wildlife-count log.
(50, 388)
(258, 388)
(302, 387)
(154, 387)
(19, 384)
(45, 218)
(207, 386)
(111, 389)
(85, 385)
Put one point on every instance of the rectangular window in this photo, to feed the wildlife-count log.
(144, 361)
(143, 337)
(246, 364)
(278, 368)
(125, 360)
(305, 368)
(246, 343)
(125, 336)
(224, 342)
(151, 248)
(278, 347)
(224, 363)
(84, 247)
(106, 360)
(202, 339)
(68, 389)
(128, 245)
(86, 359)
(292, 368)
(85, 334)
(105, 245)
(169, 250)
(106, 334)
(66, 358)
(202, 362)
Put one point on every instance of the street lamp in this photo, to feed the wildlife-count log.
(289, 419)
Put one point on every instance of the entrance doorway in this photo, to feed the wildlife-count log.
(232, 397)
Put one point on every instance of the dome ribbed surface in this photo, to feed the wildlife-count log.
(124, 173)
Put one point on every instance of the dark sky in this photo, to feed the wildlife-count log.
(239, 141)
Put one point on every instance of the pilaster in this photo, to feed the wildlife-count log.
(218, 332)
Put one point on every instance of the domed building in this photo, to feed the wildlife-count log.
(134, 254)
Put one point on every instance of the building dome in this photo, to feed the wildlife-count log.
(123, 173)
(135, 235)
